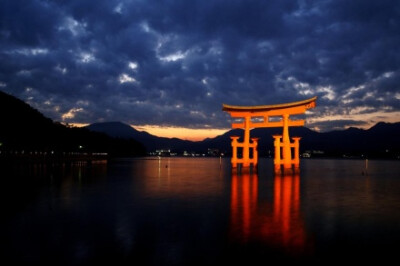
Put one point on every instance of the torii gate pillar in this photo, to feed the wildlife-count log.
(283, 146)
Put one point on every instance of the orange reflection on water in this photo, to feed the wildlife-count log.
(278, 223)
(174, 177)
(243, 203)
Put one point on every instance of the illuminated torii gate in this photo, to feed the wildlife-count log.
(261, 115)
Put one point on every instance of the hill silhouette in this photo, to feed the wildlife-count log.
(380, 141)
(25, 128)
(151, 142)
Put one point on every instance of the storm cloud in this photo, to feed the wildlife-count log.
(174, 63)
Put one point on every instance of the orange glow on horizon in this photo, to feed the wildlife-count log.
(173, 132)
(77, 124)
(181, 132)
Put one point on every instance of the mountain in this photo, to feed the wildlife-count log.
(25, 128)
(380, 140)
(151, 142)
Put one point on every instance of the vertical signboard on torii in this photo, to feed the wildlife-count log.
(260, 116)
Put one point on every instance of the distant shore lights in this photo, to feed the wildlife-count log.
(277, 115)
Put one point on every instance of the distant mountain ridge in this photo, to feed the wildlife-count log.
(381, 140)
(25, 128)
(151, 142)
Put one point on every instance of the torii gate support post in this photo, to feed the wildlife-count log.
(255, 151)
(296, 158)
(234, 144)
(245, 161)
(286, 151)
(277, 158)
(246, 142)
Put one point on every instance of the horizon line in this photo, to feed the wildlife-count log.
(197, 135)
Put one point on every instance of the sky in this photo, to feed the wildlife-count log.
(167, 66)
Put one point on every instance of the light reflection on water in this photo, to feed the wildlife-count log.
(182, 177)
(189, 211)
(277, 222)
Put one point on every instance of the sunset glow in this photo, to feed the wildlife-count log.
(181, 132)
(173, 132)
(313, 123)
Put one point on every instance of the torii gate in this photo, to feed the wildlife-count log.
(262, 114)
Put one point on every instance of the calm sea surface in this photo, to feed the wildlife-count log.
(196, 211)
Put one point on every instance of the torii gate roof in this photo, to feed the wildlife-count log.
(236, 108)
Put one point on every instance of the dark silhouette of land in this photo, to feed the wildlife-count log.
(26, 129)
(380, 141)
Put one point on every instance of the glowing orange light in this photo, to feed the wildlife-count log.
(278, 223)
(261, 116)
(244, 193)
(193, 134)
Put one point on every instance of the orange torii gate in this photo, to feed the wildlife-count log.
(262, 114)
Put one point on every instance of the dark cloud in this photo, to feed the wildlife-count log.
(175, 62)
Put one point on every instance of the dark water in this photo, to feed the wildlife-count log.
(195, 211)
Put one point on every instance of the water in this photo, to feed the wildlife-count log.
(195, 211)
